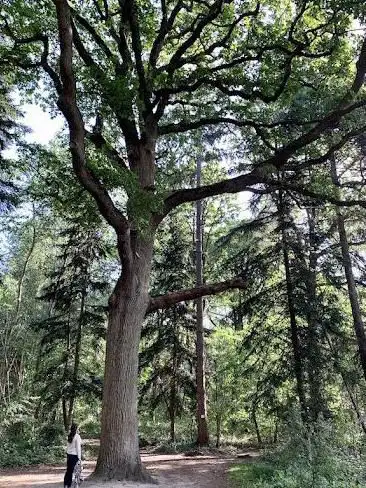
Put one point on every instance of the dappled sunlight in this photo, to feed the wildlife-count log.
(172, 471)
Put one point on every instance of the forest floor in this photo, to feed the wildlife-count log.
(171, 471)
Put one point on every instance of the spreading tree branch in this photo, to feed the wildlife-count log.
(316, 196)
(43, 63)
(281, 157)
(170, 299)
(256, 176)
(127, 124)
(131, 13)
(186, 125)
(207, 51)
(326, 156)
(90, 29)
(68, 105)
(213, 12)
(103, 15)
(233, 185)
(165, 27)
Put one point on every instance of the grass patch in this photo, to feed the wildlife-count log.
(243, 475)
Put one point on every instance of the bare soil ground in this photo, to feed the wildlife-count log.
(171, 471)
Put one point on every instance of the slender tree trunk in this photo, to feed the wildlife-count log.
(275, 434)
(75, 375)
(173, 394)
(255, 421)
(218, 430)
(354, 404)
(202, 428)
(172, 424)
(65, 374)
(346, 385)
(358, 323)
(316, 405)
(295, 340)
(24, 270)
(119, 456)
(238, 317)
(12, 367)
(218, 411)
(64, 414)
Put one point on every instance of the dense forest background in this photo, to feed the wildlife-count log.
(273, 354)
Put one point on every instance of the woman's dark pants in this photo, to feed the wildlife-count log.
(72, 459)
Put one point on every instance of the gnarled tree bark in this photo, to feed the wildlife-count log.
(119, 456)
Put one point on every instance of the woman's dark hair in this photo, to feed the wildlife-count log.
(73, 429)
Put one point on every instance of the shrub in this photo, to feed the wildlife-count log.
(24, 441)
(316, 456)
(51, 434)
(90, 428)
(28, 452)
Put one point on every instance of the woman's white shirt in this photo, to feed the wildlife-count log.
(74, 447)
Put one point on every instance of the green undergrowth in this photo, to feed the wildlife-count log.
(27, 453)
(318, 457)
(243, 475)
(26, 441)
(26, 445)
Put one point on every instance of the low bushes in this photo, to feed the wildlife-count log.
(319, 456)
(25, 441)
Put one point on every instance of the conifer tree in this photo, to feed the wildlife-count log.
(168, 335)
(76, 321)
(10, 132)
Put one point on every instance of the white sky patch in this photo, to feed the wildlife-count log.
(43, 130)
(43, 127)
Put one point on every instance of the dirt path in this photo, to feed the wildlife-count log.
(172, 471)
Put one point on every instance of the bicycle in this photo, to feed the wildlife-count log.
(77, 476)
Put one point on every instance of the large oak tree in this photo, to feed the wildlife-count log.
(154, 68)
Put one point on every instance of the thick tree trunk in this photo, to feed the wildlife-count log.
(119, 456)
(351, 284)
(201, 412)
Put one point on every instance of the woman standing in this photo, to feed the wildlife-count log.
(73, 453)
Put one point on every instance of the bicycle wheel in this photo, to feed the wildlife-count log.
(76, 476)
